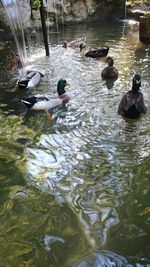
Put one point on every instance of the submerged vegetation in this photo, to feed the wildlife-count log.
(35, 4)
(147, 14)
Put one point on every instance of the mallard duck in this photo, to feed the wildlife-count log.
(132, 103)
(42, 102)
(110, 72)
(75, 43)
(30, 79)
(93, 53)
(15, 61)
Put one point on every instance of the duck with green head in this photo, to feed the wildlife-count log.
(42, 102)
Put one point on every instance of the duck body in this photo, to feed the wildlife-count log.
(94, 53)
(29, 80)
(109, 72)
(74, 43)
(42, 102)
(15, 61)
(132, 103)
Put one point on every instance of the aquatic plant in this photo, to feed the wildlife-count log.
(35, 4)
(147, 14)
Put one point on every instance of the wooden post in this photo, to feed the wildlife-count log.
(44, 29)
(144, 29)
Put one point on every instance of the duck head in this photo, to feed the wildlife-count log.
(61, 86)
(65, 45)
(136, 82)
(82, 46)
(110, 61)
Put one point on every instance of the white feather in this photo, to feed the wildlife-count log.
(34, 81)
(46, 105)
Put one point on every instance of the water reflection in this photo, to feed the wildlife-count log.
(103, 259)
(86, 173)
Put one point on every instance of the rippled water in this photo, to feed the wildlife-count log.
(75, 191)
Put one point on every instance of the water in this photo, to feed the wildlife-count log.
(13, 13)
(75, 191)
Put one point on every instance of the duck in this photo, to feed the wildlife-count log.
(29, 79)
(109, 72)
(93, 53)
(15, 61)
(132, 103)
(74, 43)
(43, 102)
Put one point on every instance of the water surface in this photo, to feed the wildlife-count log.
(75, 191)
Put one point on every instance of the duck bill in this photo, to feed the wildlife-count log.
(67, 84)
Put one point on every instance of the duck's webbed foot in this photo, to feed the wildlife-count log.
(48, 115)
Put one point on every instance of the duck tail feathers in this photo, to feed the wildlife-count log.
(25, 102)
(29, 103)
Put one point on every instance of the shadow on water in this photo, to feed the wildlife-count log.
(75, 191)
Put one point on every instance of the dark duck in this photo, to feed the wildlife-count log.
(43, 102)
(93, 53)
(109, 72)
(132, 103)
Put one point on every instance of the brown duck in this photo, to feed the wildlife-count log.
(74, 43)
(109, 72)
(132, 103)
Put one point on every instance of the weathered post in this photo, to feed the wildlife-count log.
(144, 29)
(44, 29)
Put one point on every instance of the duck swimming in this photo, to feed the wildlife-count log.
(109, 72)
(30, 79)
(132, 103)
(42, 102)
(93, 53)
(15, 61)
(75, 43)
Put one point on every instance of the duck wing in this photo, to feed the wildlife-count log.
(34, 80)
(23, 81)
(29, 80)
(41, 102)
(48, 104)
(132, 112)
(132, 105)
(29, 102)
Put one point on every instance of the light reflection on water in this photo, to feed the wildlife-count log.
(88, 170)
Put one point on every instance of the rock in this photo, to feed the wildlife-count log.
(72, 11)
(79, 11)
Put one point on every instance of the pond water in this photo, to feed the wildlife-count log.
(75, 191)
